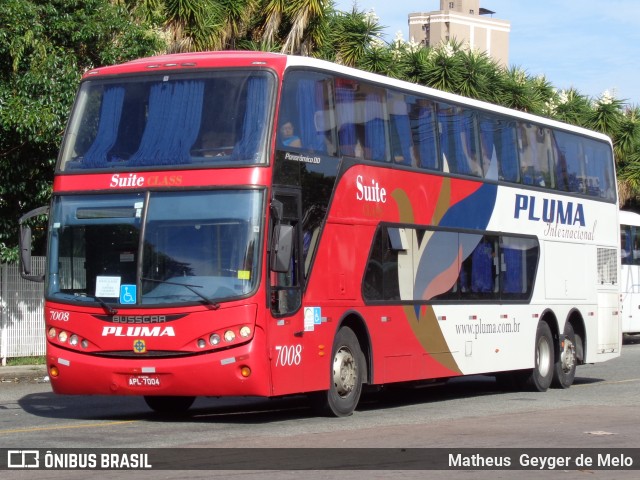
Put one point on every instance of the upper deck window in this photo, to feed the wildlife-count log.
(170, 121)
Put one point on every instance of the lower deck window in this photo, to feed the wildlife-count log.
(413, 264)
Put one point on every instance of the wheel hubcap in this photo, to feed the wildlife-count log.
(543, 356)
(345, 372)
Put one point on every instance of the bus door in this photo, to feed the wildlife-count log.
(286, 334)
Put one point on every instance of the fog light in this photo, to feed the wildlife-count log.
(73, 340)
(229, 336)
(245, 331)
(245, 371)
(62, 336)
(214, 339)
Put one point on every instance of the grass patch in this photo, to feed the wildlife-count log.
(20, 361)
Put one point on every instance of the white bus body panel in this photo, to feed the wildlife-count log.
(630, 279)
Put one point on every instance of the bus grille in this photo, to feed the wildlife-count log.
(607, 266)
(142, 356)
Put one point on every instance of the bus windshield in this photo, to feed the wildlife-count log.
(156, 247)
(172, 121)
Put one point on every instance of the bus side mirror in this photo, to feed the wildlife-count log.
(25, 249)
(282, 248)
(25, 241)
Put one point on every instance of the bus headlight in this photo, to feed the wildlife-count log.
(214, 339)
(229, 336)
(245, 332)
(62, 336)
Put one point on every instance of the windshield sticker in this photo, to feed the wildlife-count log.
(127, 257)
(127, 294)
(244, 275)
(108, 287)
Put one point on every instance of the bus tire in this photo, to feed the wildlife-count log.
(540, 377)
(347, 373)
(565, 366)
(166, 405)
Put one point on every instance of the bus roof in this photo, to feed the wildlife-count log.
(188, 61)
(629, 218)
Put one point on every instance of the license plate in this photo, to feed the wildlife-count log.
(144, 381)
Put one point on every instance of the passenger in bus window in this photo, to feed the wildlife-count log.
(287, 137)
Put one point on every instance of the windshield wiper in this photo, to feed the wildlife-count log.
(107, 308)
(192, 288)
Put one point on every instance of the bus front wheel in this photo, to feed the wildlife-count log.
(166, 405)
(348, 371)
(540, 377)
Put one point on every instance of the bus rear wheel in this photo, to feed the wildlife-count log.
(348, 371)
(540, 377)
(565, 366)
(166, 405)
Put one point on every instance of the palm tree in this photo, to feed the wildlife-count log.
(274, 13)
(476, 72)
(302, 14)
(444, 68)
(378, 58)
(519, 92)
(414, 65)
(570, 106)
(351, 36)
(627, 148)
(606, 114)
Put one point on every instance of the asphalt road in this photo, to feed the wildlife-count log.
(600, 411)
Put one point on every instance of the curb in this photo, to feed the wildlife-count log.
(24, 374)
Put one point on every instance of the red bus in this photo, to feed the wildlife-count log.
(254, 224)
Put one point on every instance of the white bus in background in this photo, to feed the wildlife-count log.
(630, 271)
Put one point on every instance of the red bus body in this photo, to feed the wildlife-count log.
(166, 350)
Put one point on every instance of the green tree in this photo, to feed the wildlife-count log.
(44, 48)
(570, 106)
(627, 143)
(295, 26)
(351, 36)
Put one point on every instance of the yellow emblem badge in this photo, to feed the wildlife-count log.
(139, 346)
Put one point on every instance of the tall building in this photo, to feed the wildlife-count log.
(463, 21)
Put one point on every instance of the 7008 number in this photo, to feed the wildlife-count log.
(58, 316)
(288, 355)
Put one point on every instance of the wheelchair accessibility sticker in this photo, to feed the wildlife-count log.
(127, 294)
(312, 317)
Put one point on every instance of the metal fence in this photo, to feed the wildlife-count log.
(22, 315)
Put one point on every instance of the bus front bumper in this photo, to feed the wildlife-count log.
(236, 372)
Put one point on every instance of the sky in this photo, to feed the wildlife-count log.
(591, 45)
